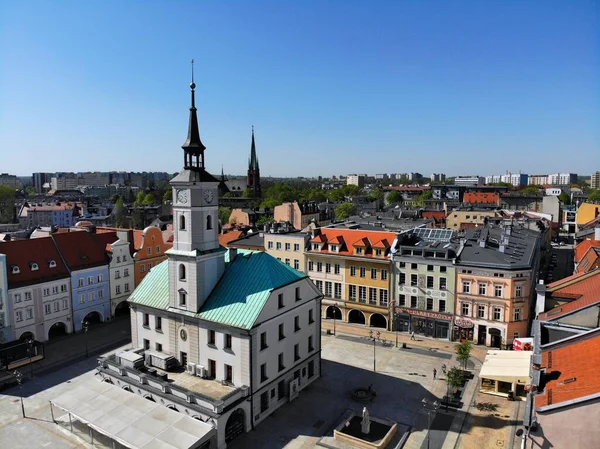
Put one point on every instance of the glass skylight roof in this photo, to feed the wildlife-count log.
(434, 235)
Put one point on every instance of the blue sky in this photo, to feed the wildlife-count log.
(334, 87)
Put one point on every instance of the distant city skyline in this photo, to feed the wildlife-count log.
(331, 88)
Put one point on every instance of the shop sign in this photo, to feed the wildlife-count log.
(464, 323)
(436, 316)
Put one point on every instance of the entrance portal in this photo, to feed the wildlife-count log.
(356, 316)
(57, 330)
(235, 425)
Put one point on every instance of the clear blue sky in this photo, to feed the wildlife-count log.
(332, 87)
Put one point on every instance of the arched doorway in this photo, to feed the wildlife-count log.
(495, 338)
(356, 316)
(57, 330)
(235, 425)
(333, 312)
(378, 320)
(25, 336)
(122, 310)
(93, 318)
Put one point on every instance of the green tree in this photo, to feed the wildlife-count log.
(564, 198)
(336, 195)
(351, 190)
(224, 213)
(120, 213)
(394, 197)
(139, 198)
(137, 219)
(130, 196)
(530, 190)
(463, 352)
(344, 211)
(248, 193)
(263, 220)
(594, 196)
(168, 195)
(455, 378)
(7, 204)
(30, 190)
(420, 199)
(318, 195)
(148, 200)
(116, 197)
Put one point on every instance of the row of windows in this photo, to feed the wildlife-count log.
(27, 295)
(264, 342)
(372, 295)
(125, 273)
(415, 266)
(55, 290)
(330, 287)
(124, 258)
(287, 262)
(483, 312)
(363, 272)
(336, 267)
(429, 303)
(287, 246)
(125, 288)
(143, 267)
(430, 281)
(56, 306)
(498, 290)
(91, 296)
(28, 314)
(281, 359)
(281, 299)
(90, 280)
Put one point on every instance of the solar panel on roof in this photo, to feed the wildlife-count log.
(441, 235)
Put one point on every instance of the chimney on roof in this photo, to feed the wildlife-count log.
(597, 232)
(232, 254)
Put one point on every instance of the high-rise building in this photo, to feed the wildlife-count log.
(595, 180)
(562, 179)
(356, 180)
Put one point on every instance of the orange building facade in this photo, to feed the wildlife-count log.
(149, 251)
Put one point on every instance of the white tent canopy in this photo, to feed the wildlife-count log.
(507, 366)
(131, 420)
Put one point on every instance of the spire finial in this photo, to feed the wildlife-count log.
(193, 85)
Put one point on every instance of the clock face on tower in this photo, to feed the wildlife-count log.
(209, 196)
(182, 196)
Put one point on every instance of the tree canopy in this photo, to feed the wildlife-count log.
(594, 196)
(120, 213)
(344, 211)
(394, 197)
(7, 204)
(463, 352)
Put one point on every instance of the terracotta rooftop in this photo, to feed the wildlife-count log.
(590, 261)
(224, 239)
(351, 238)
(583, 247)
(481, 198)
(82, 249)
(572, 368)
(583, 289)
(23, 253)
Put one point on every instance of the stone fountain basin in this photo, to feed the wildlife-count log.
(349, 431)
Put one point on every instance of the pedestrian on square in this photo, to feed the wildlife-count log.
(434, 373)
(412, 335)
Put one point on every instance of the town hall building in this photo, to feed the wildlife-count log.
(222, 336)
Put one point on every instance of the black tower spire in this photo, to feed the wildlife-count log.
(193, 148)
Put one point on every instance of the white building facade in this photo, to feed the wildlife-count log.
(121, 275)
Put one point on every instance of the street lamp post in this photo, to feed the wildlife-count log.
(85, 329)
(19, 378)
(335, 309)
(430, 407)
(29, 351)
(374, 338)
(395, 315)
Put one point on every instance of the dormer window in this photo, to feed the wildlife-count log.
(378, 252)
(359, 250)
(33, 266)
(334, 248)
(15, 269)
(52, 263)
(315, 247)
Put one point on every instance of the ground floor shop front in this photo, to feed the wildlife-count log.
(492, 334)
(421, 322)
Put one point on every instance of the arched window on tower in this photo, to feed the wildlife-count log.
(182, 272)
(208, 222)
(182, 222)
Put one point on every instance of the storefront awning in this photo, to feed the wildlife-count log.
(131, 420)
(507, 366)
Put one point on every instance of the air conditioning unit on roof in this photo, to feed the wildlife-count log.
(201, 371)
(191, 369)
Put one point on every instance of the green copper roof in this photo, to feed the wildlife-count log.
(239, 296)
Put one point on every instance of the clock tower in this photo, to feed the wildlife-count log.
(196, 261)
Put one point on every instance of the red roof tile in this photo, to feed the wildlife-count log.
(82, 249)
(583, 247)
(353, 235)
(590, 261)
(582, 288)
(22, 252)
(224, 239)
(572, 369)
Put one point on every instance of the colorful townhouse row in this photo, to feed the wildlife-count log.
(50, 286)
(479, 286)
